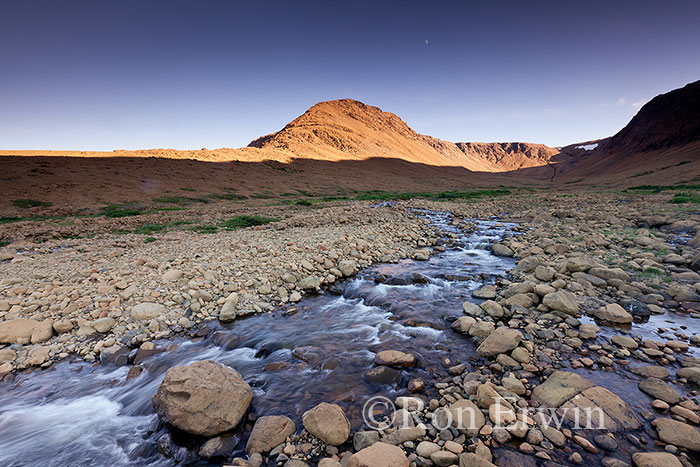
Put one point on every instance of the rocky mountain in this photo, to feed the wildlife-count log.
(670, 119)
(349, 129)
(511, 156)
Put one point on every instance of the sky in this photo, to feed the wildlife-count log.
(93, 75)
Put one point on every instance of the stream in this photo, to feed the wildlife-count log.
(76, 413)
(317, 350)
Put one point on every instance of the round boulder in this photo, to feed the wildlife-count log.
(204, 398)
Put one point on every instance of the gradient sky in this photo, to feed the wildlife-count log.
(185, 74)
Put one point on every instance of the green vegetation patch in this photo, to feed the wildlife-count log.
(241, 222)
(650, 189)
(378, 195)
(682, 198)
(30, 203)
(203, 228)
(227, 196)
(4, 243)
(122, 210)
(179, 200)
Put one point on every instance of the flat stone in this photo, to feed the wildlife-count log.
(624, 341)
(650, 371)
(613, 313)
(677, 433)
(659, 389)
(395, 358)
(559, 388)
(655, 459)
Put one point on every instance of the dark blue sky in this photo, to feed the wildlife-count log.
(143, 74)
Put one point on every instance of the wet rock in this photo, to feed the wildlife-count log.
(363, 439)
(269, 432)
(499, 249)
(469, 459)
(395, 358)
(606, 442)
(221, 446)
(692, 374)
(204, 398)
(471, 309)
(309, 283)
(416, 385)
(379, 455)
(555, 436)
(383, 375)
(228, 312)
(463, 324)
(613, 313)
(512, 458)
(650, 371)
(328, 423)
(347, 267)
(659, 389)
(677, 433)
(624, 341)
(501, 340)
(655, 459)
(488, 292)
(559, 388)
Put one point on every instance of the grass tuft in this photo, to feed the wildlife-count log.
(30, 203)
(241, 222)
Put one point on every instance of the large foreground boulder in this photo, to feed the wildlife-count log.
(204, 398)
(328, 423)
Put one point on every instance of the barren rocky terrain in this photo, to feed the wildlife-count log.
(574, 324)
(244, 306)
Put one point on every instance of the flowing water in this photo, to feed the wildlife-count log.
(80, 414)
(318, 350)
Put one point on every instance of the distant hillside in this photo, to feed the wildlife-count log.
(349, 129)
(670, 119)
